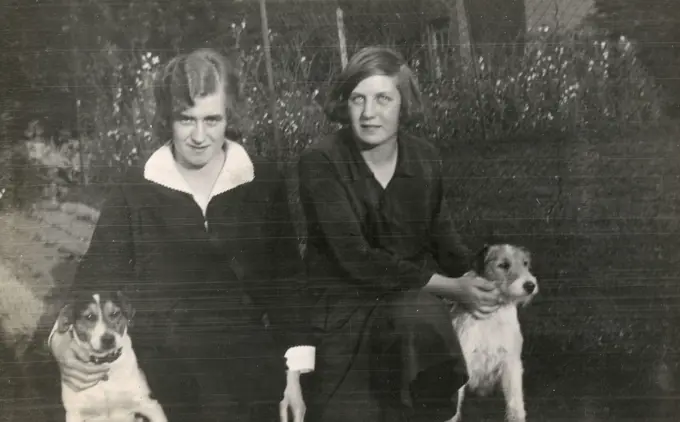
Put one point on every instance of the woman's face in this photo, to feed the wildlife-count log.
(374, 107)
(198, 132)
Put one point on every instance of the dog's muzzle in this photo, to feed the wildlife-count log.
(111, 357)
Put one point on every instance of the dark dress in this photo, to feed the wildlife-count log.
(386, 350)
(200, 287)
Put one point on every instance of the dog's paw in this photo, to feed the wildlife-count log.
(456, 418)
(517, 415)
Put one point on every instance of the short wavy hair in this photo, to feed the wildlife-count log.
(371, 61)
(187, 77)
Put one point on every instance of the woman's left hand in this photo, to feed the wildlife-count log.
(292, 399)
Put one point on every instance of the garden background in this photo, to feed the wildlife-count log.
(556, 120)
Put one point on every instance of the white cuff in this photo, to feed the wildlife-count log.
(301, 358)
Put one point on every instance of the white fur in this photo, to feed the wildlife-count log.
(123, 394)
(492, 347)
(99, 328)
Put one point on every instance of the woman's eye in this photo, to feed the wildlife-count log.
(356, 100)
(383, 99)
(504, 265)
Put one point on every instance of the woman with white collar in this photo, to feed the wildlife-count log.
(202, 242)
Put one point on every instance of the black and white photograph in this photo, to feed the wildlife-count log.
(340, 211)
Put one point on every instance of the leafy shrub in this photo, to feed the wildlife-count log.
(563, 82)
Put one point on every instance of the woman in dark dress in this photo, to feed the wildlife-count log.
(381, 248)
(200, 239)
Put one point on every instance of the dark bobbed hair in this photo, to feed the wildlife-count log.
(187, 77)
(371, 61)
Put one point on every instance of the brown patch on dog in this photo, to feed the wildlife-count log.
(114, 317)
(115, 311)
(125, 306)
(86, 319)
(507, 265)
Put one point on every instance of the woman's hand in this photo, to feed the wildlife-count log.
(73, 360)
(292, 399)
(479, 295)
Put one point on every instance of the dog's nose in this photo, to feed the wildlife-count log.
(108, 341)
(529, 287)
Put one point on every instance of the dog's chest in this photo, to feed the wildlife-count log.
(487, 344)
(119, 395)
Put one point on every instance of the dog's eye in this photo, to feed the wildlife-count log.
(526, 263)
(115, 314)
(505, 265)
(90, 317)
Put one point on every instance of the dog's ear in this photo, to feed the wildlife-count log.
(66, 318)
(526, 252)
(125, 306)
(479, 260)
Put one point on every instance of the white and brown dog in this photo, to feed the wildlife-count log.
(492, 347)
(100, 324)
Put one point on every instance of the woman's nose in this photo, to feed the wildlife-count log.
(369, 110)
(198, 134)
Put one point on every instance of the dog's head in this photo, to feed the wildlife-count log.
(508, 266)
(99, 322)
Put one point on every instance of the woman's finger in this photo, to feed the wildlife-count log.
(487, 298)
(488, 309)
(81, 373)
(76, 377)
(480, 315)
(77, 385)
(484, 284)
(79, 352)
(283, 410)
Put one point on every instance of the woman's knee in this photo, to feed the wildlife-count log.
(418, 307)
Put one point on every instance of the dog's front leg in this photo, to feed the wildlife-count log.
(151, 412)
(513, 390)
(458, 417)
(72, 416)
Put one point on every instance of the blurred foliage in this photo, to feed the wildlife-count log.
(653, 26)
(562, 85)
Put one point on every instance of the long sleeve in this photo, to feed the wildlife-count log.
(329, 213)
(451, 254)
(108, 263)
(282, 295)
(107, 260)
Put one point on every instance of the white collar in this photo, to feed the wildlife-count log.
(238, 169)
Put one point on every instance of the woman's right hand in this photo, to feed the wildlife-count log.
(76, 370)
(478, 295)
